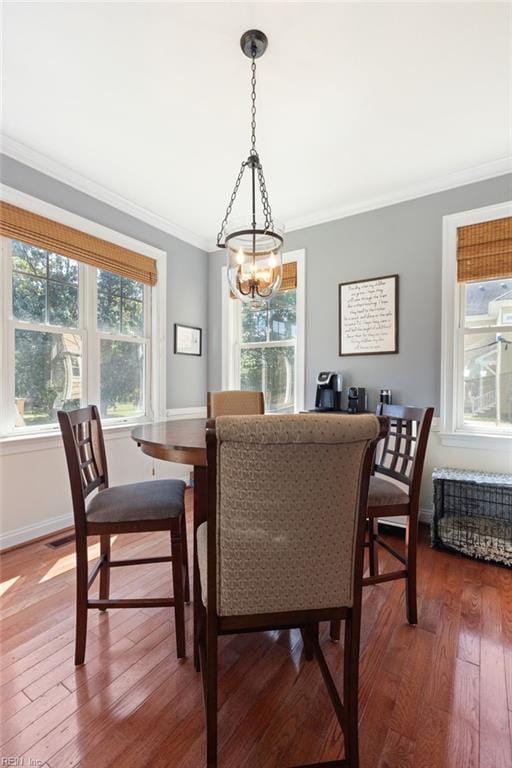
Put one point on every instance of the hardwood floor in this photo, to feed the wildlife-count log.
(435, 696)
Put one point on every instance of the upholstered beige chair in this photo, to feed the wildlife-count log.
(284, 549)
(235, 402)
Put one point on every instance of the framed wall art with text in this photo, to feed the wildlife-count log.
(368, 316)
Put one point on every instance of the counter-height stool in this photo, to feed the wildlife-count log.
(395, 492)
(283, 544)
(155, 505)
(234, 402)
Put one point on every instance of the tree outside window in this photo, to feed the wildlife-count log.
(50, 337)
(268, 351)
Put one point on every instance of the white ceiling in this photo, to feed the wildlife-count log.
(356, 102)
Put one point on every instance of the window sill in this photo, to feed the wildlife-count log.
(476, 441)
(41, 441)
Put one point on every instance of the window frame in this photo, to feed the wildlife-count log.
(454, 432)
(154, 325)
(231, 328)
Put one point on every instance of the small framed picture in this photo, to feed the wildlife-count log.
(187, 340)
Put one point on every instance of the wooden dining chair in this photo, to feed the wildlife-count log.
(156, 505)
(394, 492)
(282, 547)
(234, 402)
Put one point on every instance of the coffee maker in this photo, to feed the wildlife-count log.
(328, 391)
(356, 400)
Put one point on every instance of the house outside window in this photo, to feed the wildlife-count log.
(486, 348)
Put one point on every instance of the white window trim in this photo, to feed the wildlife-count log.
(157, 363)
(452, 434)
(229, 354)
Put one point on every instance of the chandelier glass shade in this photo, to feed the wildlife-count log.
(254, 260)
(254, 244)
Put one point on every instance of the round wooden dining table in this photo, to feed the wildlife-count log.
(182, 441)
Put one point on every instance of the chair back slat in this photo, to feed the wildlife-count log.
(407, 441)
(401, 454)
(84, 446)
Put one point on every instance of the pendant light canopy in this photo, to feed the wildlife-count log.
(253, 245)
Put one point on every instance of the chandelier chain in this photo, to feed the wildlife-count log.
(253, 106)
(231, 201)
(267, 210)
(253, 162)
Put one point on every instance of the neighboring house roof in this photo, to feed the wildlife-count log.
(506, 295)
(478, 300)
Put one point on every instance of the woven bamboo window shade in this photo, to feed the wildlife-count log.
(289, 280)
(30, 228)
(484, 251)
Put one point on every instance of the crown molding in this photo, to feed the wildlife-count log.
(411, 192)
(42, 163)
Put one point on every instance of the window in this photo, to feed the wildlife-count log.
(477, 327)
(485, 341)
(74, 332)
(264, 348)
(54, 334)
(123, 345)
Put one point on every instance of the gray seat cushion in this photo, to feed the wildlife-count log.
(150, 500)
(384, 493)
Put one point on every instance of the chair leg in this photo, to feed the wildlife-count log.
(373, 531)
(177, 579)
(196, 586)
(411, 544)
(200, 515)
(105, 568)
(82, 577)
(309, 652)
(184, 544)
(211, 697)
(351, 690)
(197, 631)
(335, 632)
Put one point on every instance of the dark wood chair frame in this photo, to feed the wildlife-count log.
(405, 466)
(87, 467)
(211, 625)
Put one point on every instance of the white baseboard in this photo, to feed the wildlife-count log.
(34, 531)
(399, 522)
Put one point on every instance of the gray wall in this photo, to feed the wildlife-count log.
(187, 272)
(405, 239)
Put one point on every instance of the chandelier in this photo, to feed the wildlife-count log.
(253, 245)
